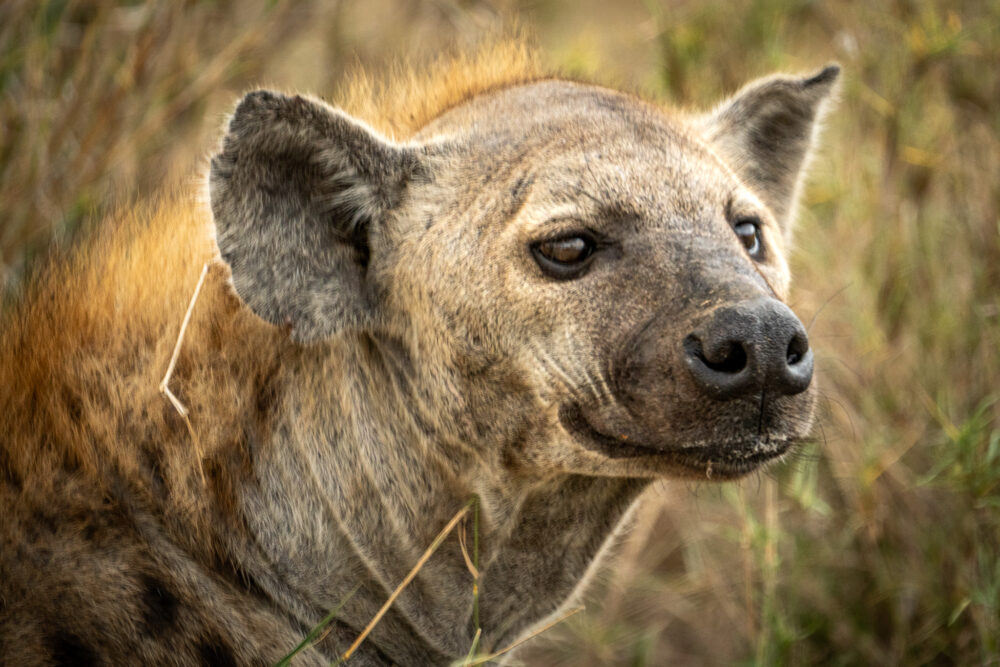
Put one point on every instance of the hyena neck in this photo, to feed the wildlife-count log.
(345, 504)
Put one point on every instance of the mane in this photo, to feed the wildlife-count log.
(407, 99)
(84, 347)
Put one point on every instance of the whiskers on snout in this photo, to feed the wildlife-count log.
(572, 374)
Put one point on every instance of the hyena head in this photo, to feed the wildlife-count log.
(625, 265)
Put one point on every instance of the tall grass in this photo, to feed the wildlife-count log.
(100, 98)
(878, 544)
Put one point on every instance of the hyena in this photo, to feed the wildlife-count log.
(515, 288)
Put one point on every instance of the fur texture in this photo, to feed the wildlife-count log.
(377, 341)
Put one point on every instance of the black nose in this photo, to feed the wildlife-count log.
(755, 346)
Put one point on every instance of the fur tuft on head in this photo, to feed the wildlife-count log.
(399, 105)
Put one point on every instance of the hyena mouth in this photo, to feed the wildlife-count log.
(723, 460)
(572, 418)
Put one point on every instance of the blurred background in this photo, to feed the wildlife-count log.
(879, 543)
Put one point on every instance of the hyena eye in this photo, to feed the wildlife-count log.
(565, 257)
(748, 232)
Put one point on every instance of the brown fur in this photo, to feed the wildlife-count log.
(415, 356)
(105, 317)
(82, 353)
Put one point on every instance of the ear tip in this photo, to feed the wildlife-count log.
(255, 104)
(824, 77)
(257, 98)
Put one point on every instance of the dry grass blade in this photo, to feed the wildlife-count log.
(465, 554)
(474, 647)
(164, 388)
(409, 577)
(483, 659)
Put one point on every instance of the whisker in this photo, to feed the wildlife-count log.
(607, 396)
(831, 401)
(587, 380)
(545, 359)
(824, 305)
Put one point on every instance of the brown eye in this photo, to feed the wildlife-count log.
(565, 251)
(748, 232)
(564, 257)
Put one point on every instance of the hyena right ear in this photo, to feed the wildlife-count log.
(766, 131)
(298, 192)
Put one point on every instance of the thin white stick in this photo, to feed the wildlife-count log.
(164, 389)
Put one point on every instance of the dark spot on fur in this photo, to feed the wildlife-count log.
(74, 405)
(225, 468)
(43, 521)
(90, 531)
(215, 653)
(512, 455)
(152, 461)
(219, 482)
(268, 392)
(480, 366)
(425, 427)
(172, 419)
(159, 606)
(71, 463)
(69, 650)
(34, 404)
(108, 522)
(7, 473)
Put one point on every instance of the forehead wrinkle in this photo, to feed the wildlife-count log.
(609, 198)
(631, 163)
(571, 200)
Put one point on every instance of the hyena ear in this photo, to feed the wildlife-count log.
(765, 132)
(299, 191)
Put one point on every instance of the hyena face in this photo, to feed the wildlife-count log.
(623, 269)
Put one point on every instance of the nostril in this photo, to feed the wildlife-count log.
(797, 349)
(719, 369)
(797, 372)
(730, 357)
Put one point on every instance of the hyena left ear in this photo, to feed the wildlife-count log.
(303, 197)
(765, 133)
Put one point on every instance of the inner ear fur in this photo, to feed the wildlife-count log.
(766, 131)
(297, 191)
